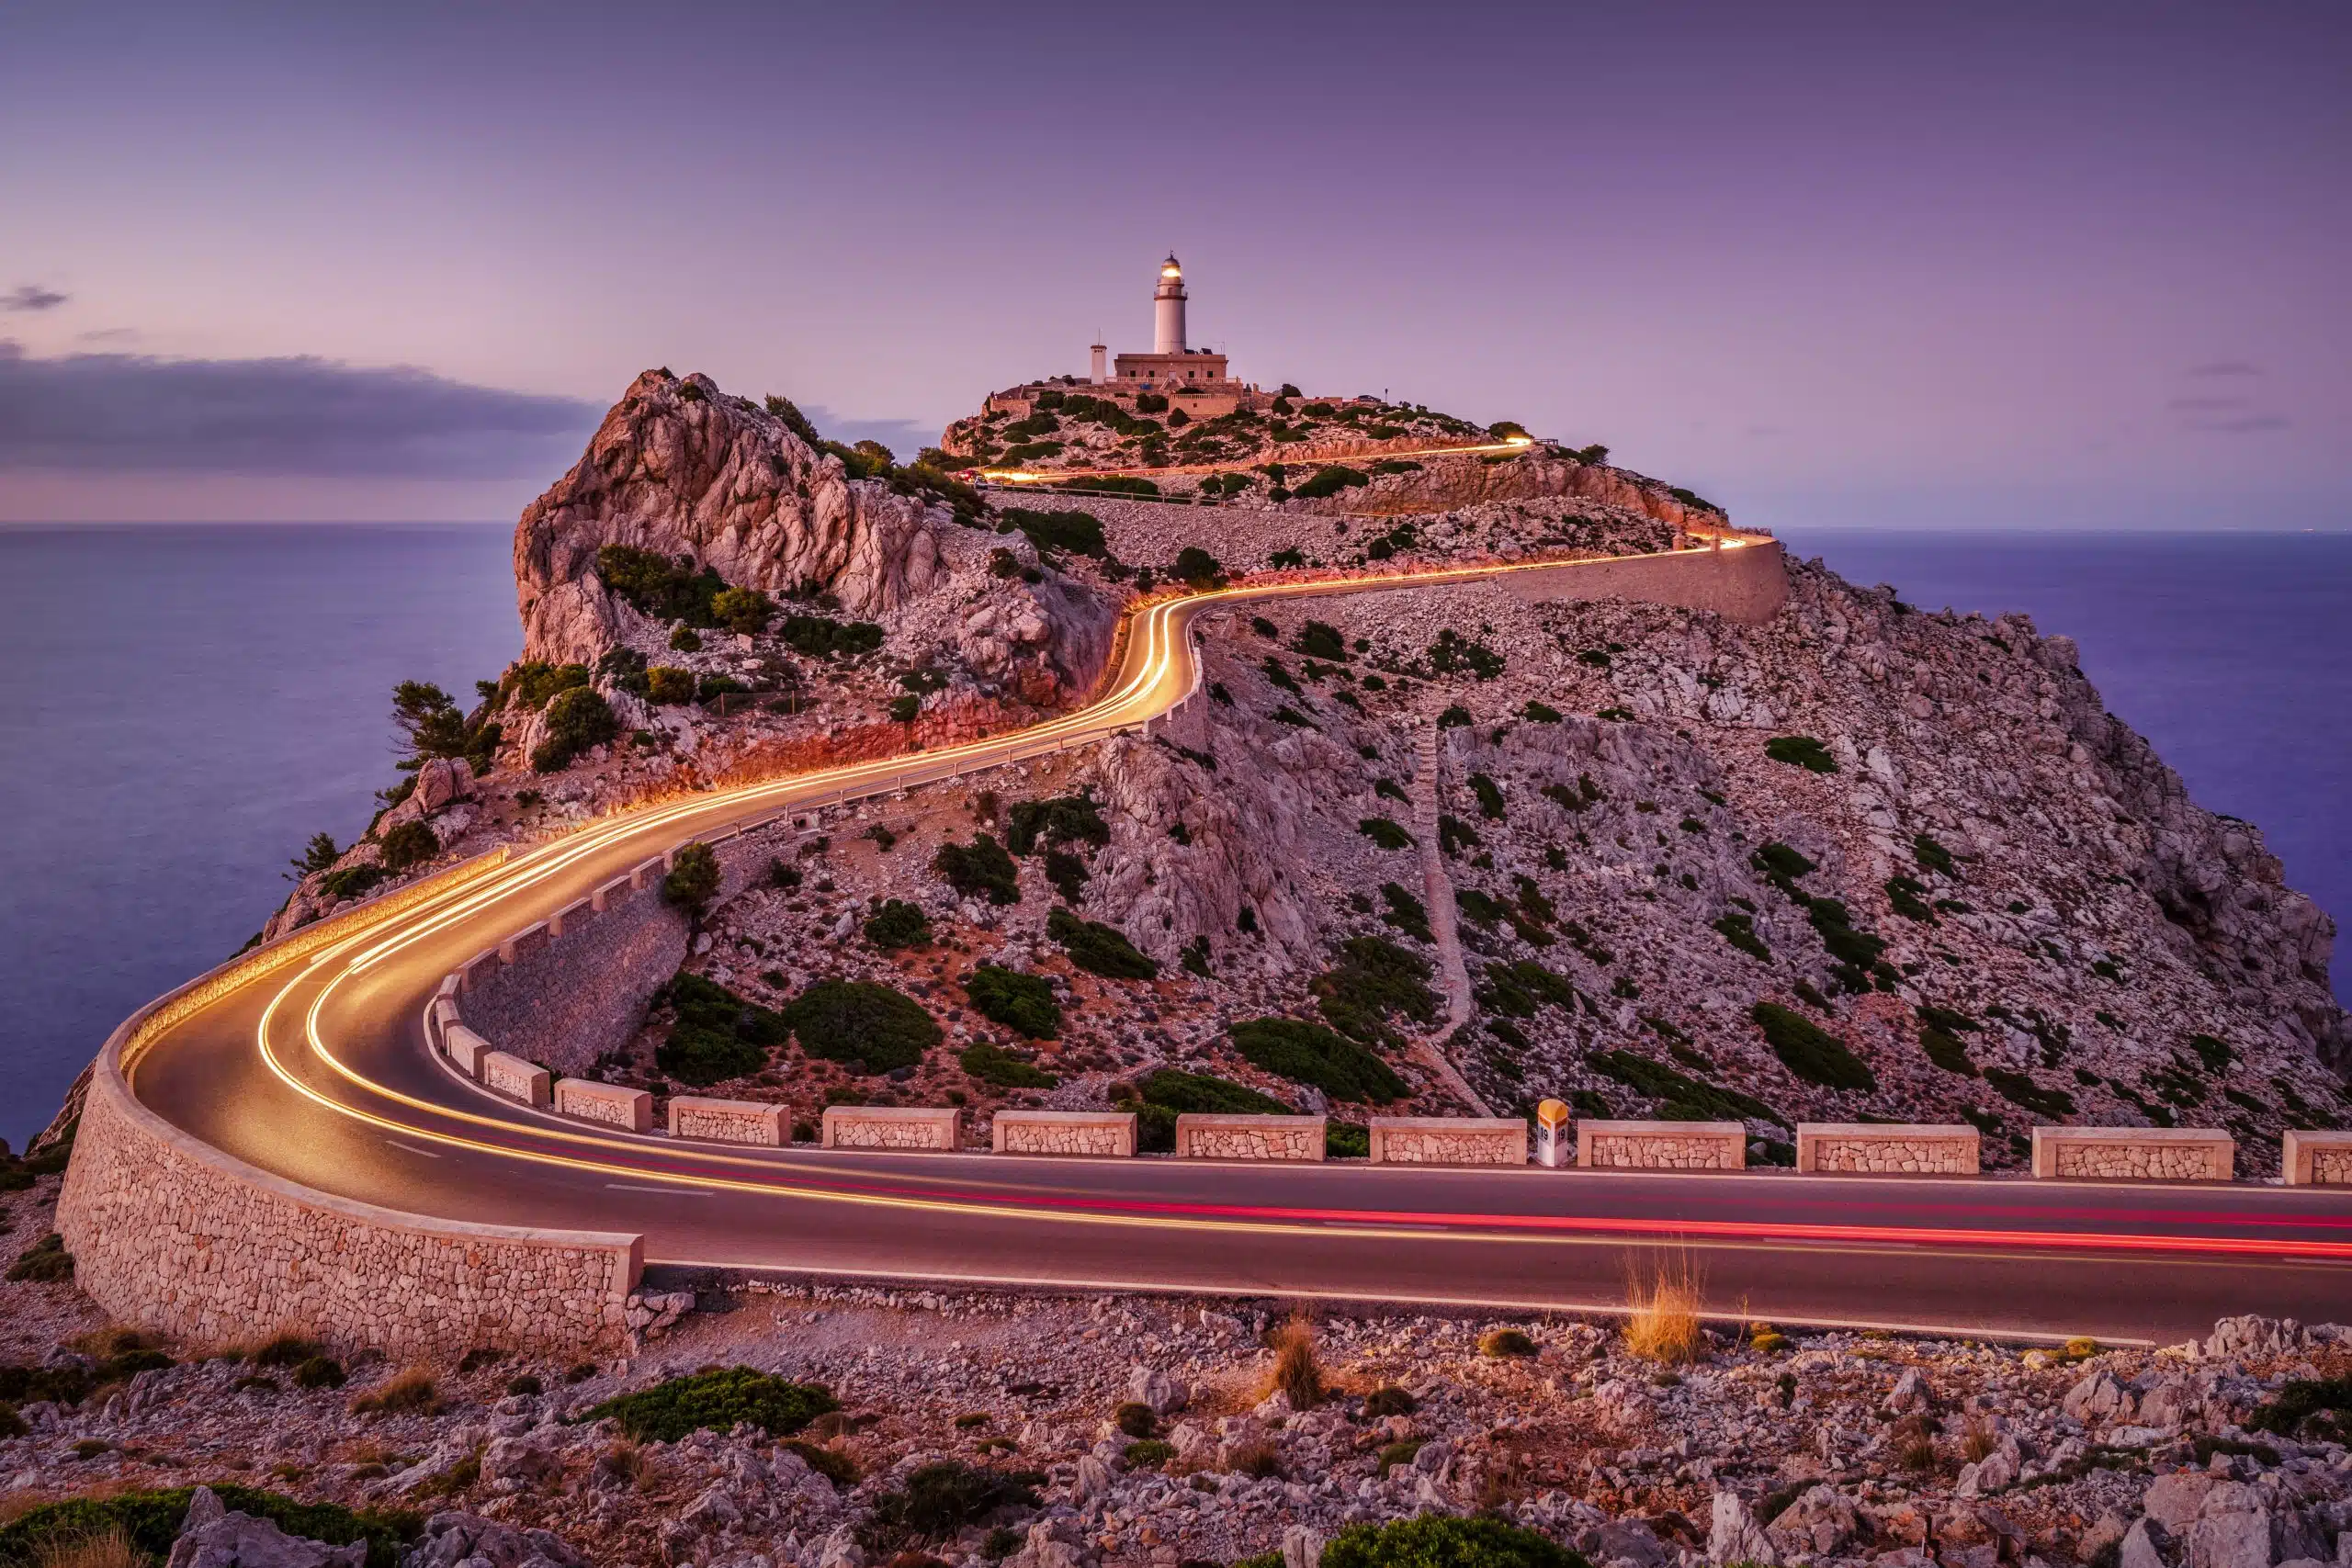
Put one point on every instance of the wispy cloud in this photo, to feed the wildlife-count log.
(126, 414)
(2243, 425)
(2206, 404)
(2225, 368)
(108, 335)
(31, 297)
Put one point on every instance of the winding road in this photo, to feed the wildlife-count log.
(318, 1072)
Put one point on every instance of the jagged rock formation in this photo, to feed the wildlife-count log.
(680, 468)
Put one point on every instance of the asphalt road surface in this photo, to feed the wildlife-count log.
(319, 1073)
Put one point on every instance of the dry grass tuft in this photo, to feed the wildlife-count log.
(1298, 1376)
(1259, 1460)
(1978, 1439)
(108, 1548)
(1663, 1322)
(411, 1391)
(1914, 1441)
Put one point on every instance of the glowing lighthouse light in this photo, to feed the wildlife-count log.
(1168, 308)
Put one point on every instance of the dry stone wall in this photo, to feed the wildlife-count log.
(175, 1238)
(1662, 1146)
(631, 1110)
(1063, 1133)
(2317, 1160)
(900, 1127)
(1885, 1149)
(2133, 1153)
(726, 1121)
(1249, 1137)
(516, 1079)
(1448, 1140)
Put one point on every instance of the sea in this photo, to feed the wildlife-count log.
(183, 707)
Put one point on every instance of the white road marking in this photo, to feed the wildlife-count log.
(664, 1191)
(428, 1153)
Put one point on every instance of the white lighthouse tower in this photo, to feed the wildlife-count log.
(1168, 308)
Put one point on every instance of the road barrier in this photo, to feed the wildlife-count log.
(2134, 1154)
(630, 1110)
(1297, 1138)
(517, 1079)
(1102, 1133)
(1887, 1148)
(2316, 1159)
(1448, 1140)
(894, 1128)
(726, 1120)
(1661, 1145)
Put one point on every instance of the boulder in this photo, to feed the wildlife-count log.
(1819, 1522)
(1733, 1535)
(2147, 1544)
(518, 1460)
(1149, 1385)
(212, 1536)
(452, 1537)
(1910, 1392)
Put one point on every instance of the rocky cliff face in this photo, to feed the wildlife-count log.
(680, 468)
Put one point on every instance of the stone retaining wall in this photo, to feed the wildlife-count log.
(2134, 1154)
(726, 1120)
(1449, 1140)
(1747, 583)
(1249, 1137)
(1877, 1148)
(1063, 1133)
(517, 1079)
(175, 1238)
(2317, 1160)
(631, 1110)
(1662, 1146)
(908, 1127)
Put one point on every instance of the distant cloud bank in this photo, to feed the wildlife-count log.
(31, 297)
(309, 417)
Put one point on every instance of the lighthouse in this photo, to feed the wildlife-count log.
(1168, 308)
(1171, 365)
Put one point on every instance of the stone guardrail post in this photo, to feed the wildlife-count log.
(2316, 1159)
(2134, 1154)
(1662, 1146)
(1882, 1148)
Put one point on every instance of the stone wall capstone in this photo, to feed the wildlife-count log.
(1204, 1136)
(1104, 1133)
(1662, 1146)
(1878, 1148)
(178, 1238)
(1449, 1140)
(2134, 1154)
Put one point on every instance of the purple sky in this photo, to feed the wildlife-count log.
(2019, 266)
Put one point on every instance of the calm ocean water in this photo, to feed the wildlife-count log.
(182, 707)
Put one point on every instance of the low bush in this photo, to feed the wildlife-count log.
(718, 1035)
(410, 844)
(745, 610)
(940, 1501)
(45, 1262)
(1310, 1054)
(1298, 1374)
(1505, 1343)
(868, 1026)
(1136, 1419)
(981, 869)
(1801, 751)
(1406, 912)
(286, 1349)
(1078, 533)
(410, 1392)
(693, 879)
(1099, 949)
(1436, 1540)
(821, 637)
(1063, 820)
(715, 1401)
(668, 685)
(2316, 1409)
(1197, 569)
(1373, 981)
(1023, 1003)
(1346, 1140)
(318, 1371)
(1385, 833)
(992, 1064)
(657, 587)
(898, 925)
(1740, 931)
(1389, 1400)
(577, 720)
(148, 1522)
(2020, 1090)
(1329, 480)
(1811, 1052)
(1149, 1454)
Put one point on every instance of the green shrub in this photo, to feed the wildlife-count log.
(2319, 1409)
(1774, 857)
(941, 1501)
(692, 878)
(992, 1064)
(668, 684)
(1679, 1097)
(410, 844)
(1196, 568)
(742, 609)
(576, 720)
(1389, 1400)
(2019, 1090)
(352, 881)
(981, 869)
(1068, 873)
(1078, 533)
(1540, 713)
(1385, 833)
(1099, 949)
(718, 1035)
(905, 709)
(1064, 819)
(1166, 1093)
(1490, 797)
(1452, 652)
(1310, 1054)
(1436, 1540)
(1406, 912)
(1506, 1344)
(1801, 751)
(1346, 1140)
(656, 587)
(899, 924)
(1811, 1052)
(1329, 479)
(318, 1371)
(1932, 855)
(1319, 640)
(1373, 981)
(151, 1521)
(1906, 896)
(685, 639)
(1023, 1003)
(1136, 1419)
(869, 1026)
(45, 1262)
(1455, 717)
(715, 1401)
(1148, 1453)
(1740, 931)
(821, 637)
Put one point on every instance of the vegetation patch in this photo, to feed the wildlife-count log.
(1811, 1052)
(2019, 1088)
(1064, 819)
(981, 869)
(1075, 532)
(1099, 949)
(1023, 1003)
(1310, 1054)
(870, 1027)
(718, 1035)
(577, 720)
(940, 1501)
(714, 1401)
(897, 924)
(1436, 1540)
(1165, 1094)
(1801, 751)
(656, 586)
(1385, 833)
(1739, 929)
(1373, 981)
(992, 1064)
(150, 1522)
(1679, 1097)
